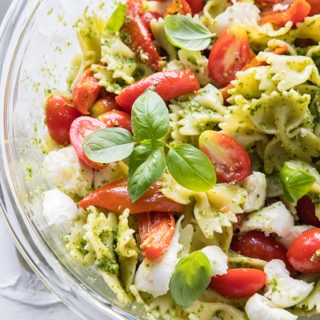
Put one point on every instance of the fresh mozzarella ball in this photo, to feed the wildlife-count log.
(64, 171)
(256, 186)
(240, 12)
(153, 276)
(282, 289)
(275, 218)
(259, 307)
(294, 233)
(58, 208)
(218, 259)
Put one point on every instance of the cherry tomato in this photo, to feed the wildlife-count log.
(179, 7)
(80, 128)
(230, 160)
(105, 104)
(156, 230)
(196, 5)
(306, 211)
(315, 7)
(147, 17)
(115, 197)
(168, 84)
(85, 92)
(239, 283)
(228, 55)
(254, 244)
(116, 118)
(304, 251)
(60, 113)
(298, 10)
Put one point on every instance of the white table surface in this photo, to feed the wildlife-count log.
(22, 294)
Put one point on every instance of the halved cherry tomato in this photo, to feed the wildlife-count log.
(85, 92)
(196, 5)
(297, 11)
(179, 7)
(239, 283)
(254, 244)
(60, 113)
(105, 104)
(116, 118)
(115, 197)
(228, 55)
(156, 230)
(306, 211)
(230, 160)
(304, 251)
(168, 84)
(80, 128)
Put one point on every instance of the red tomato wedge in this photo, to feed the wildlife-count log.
(115, 197)
(298, 10)
(60, 114)
(228, 55)
(147, 16)
(230, 160)
(306, 211)
(80, 128)
(196, 5)
(168, 84)
(239, 283)
(156, 230)
(85, 92)
(116, 118)
(254, 244)
(304, 251)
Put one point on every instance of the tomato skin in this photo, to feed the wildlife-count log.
(85, 92)
(116, 118)
(115, 197)
(228, 55)
(297, 12)
(196, 5)
(105, 104)
(306, 211)
(230, 160)
(60, 113)
(255, 244)
(80, 128)
(156, 230)
(168, 84)
(315, 7)
(239, 283)
(302, 253)
(147, 17)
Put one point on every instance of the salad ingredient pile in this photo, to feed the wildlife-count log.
(186, 156)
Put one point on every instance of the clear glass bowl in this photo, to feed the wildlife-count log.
(38, 44)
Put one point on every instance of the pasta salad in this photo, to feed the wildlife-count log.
(186, 153)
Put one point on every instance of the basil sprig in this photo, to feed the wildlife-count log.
(190, 278)
(148, 157)
(186, 33)
(295, 182)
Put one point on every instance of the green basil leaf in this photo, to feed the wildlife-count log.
(186, 33)
(295, 182)
(108, 145)
(149, 116)
(191, 168)
(190, 278)
(117, 18)
(146, 166)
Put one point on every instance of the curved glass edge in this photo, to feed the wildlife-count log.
(40, 260)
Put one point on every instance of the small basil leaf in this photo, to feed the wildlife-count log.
(190, 278)
(117, 18)
(191, 168)
(108, 145)
(186, 33)
(149, 116)
(146, 166)
(295, 182)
